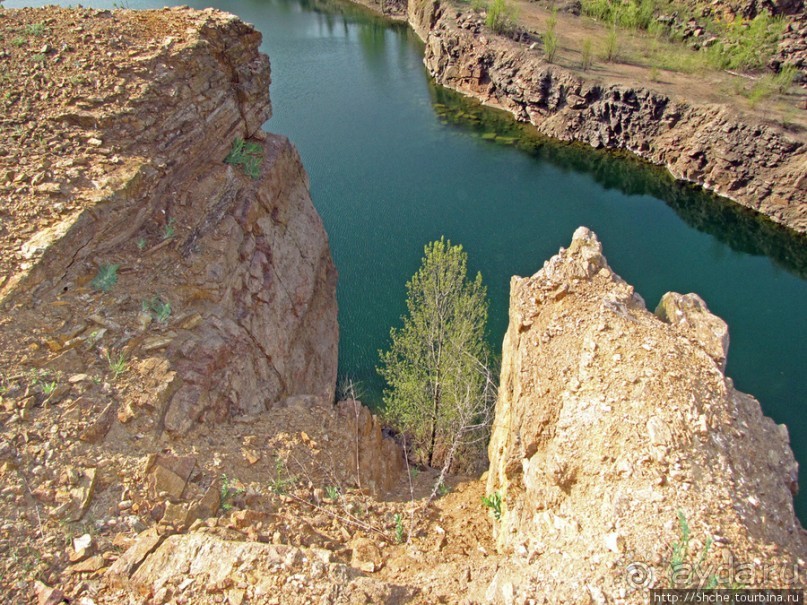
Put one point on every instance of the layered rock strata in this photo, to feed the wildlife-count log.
(168, 333)
(241, 263)
(756, 165)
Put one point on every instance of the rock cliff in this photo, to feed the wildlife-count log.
(618, 436)
(168, 336)
(757, 165)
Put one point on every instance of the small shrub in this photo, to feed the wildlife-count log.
(227, 493)
(158, 308)
(763, 89)
(680, 556)
(586, 55)
(170, 229)
(106, 278)
(494, 503)
(399, 529)
(332, 493)
(611, 45)
(551, 37)
(35, 29)
(500, 16)
(784, 79)
(116, 365)
(248, 155)
(282, 480)
(48, 387)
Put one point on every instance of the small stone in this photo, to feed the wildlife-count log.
(91, 565)
(46, 595)
(82, 494)
(614, 542)
(82, 548)
(97, 430)
(366, 555)
(251, 456)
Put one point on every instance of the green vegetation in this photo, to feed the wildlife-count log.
(438, 384)
(227, 493)
(38, 58)
(747, 44)
(494, 503)
(158, 308)
(169, 229)
(586, 55)
(742, 44)
(681, 569)
(141, 243)
(106, 278)
(248, 155)
(18, 41)
(116, 365)
(500, 16)
(399, 529)
(282, 480)
(633, 14)
(611, 45)
(551, 37)
(35, 29)
(48, 387)
(332, 493)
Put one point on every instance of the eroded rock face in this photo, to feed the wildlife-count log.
(612, 426)
(243, 263)
(756, 165)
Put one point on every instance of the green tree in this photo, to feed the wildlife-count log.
(439, 389)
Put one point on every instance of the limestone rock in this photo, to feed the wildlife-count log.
(612, 426)
(98, 428)
(122, 569)
(690, 315)
(81, 495)
(46, 595)
(366, 556)
(380, 460)
(169, 475)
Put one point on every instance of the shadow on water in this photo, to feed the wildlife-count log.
(738, 227)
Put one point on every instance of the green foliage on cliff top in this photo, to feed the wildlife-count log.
(747, 44)
(501, 16)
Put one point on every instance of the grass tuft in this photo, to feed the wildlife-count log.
(248, 155)
(106, 278)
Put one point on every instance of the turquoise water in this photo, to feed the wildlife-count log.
(396, 162)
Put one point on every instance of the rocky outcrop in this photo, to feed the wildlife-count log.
(758, 166)
(241, 264)
(617, 437)
(168, 333)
